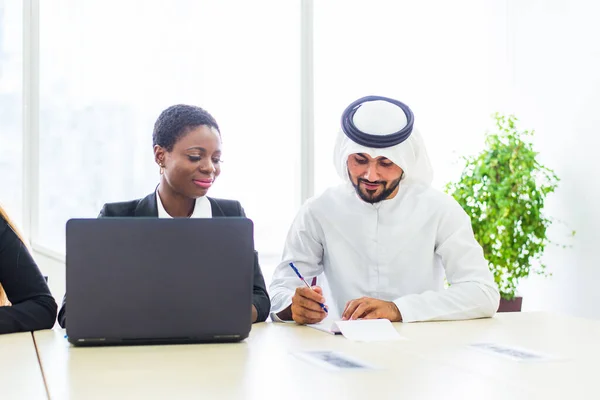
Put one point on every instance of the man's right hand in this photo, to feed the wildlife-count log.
(305, 308)
(305, 305)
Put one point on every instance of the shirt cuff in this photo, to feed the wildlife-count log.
(275, 318)
(405, 311)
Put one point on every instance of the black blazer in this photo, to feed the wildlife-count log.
(147, 207)
(33, 307)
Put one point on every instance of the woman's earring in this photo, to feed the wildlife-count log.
(162, 168)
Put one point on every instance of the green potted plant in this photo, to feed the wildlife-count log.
(503, 189)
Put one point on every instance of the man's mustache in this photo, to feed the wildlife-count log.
(372, 182)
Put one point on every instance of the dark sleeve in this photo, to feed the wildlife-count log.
(62, 314)
(33, 307)
(260, 297)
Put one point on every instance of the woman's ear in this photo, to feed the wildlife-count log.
(159, 155)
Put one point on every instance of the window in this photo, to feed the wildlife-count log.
(427, 54)
(108, 68)
(11, 72)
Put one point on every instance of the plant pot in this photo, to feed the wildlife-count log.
(513, 305)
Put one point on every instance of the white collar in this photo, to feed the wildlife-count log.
(202, 208)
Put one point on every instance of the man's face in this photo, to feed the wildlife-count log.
(374, 179)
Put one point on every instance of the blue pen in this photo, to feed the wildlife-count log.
(306, 283)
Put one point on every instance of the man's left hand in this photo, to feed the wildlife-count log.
(370, 308)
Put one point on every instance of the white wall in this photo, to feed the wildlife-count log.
(554, 52)
(543, 62)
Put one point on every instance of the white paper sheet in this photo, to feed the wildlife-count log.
(512, 352)
(360, 330)
(334, 360)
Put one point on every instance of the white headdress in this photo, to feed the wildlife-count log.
(383, 127)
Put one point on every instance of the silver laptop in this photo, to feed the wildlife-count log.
(150, 280)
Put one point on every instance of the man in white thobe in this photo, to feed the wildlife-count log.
(384, 239)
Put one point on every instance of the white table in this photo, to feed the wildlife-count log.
(20, 372)
(433, 364)
(574, 341)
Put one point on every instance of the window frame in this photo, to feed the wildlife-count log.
(31, 115)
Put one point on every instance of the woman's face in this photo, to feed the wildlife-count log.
(194, 163)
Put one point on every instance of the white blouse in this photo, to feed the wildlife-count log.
(202, 209)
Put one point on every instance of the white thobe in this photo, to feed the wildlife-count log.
(396, 250)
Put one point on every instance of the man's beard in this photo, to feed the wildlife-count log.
(369, 196)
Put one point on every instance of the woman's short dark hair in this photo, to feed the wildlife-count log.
(175, 121)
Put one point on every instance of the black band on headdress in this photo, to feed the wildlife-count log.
(375, 141)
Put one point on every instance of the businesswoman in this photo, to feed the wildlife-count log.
(25, 300)
(187, 149)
